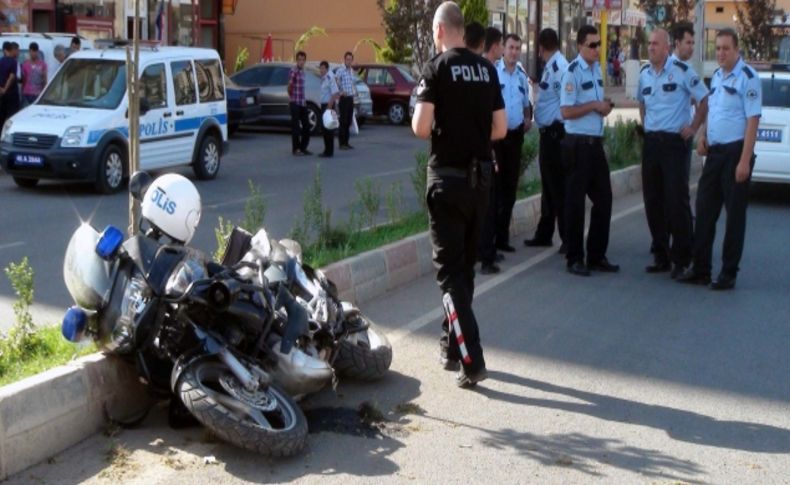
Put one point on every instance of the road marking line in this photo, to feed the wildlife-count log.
(492, 283)
(12, 245)
(392, 172)
(235, 201)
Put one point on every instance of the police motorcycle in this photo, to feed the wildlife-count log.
(337, 336)
(195, 329)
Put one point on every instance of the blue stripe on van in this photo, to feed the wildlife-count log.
(180, 125)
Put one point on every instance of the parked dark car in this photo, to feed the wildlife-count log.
(244, 105)
(271, 79)
(390, 87)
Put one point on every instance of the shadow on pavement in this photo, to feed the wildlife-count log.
(677, 423)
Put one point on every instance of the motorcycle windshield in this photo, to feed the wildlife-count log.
(87, 276)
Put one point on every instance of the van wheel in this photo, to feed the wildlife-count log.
(25, 182)
(111, 170)
(314, 116)
(206, 165)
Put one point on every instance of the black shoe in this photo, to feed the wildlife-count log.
(346, 147)
(658, 267)
(578, 269)
(489, 268)
(692, 277)
(307, 152)
(449, 364)
(677, 271)
(563, 249)
(535, 242)
(603, 265)
(297, 153)
(723, 282)
(465, 381)
(324, 155)
(499, 258)
(506, 248)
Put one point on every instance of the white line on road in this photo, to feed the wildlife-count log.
(392, 172)
(492, 283)
(235, 201)
(12, 245)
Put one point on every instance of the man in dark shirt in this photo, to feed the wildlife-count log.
(9, 90)
(460, 108)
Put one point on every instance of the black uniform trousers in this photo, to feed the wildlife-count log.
(665, 187)
(300, 127)
(9, 106)
(346, 113)
(454, 209)
(487, 248)
(329, 135)
(508, 158)
(552, 179)
(587, 175)
(717, 187)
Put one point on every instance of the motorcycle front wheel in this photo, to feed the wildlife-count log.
(266, 421)
(364, 355)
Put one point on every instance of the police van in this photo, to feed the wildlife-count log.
(78, 128)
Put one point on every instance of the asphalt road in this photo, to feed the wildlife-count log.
(626, 378)
(38, 223)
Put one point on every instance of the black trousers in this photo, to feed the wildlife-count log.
(587, 175)
(9, 106)
(329, 135)
(508, 158)
(300, 127)
(488, 220)
(346, 107)
(552, 179)
(454, 213)
(665, 187)
(717, 187)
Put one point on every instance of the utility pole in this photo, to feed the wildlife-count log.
(698, 59)
(133, 94)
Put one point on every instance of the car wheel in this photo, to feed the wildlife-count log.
(313, 116)
(25, 183)
(207, 159)
(112, 167)
(396, 113)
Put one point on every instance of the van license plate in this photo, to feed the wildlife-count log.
(30, 160)
(773, 136)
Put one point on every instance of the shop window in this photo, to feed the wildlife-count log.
(154, 86)
(209, 79)
(184, 82)
(719, 9)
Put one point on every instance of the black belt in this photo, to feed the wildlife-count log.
(556, 127)
(455, 172)
(725, 147)
(586, 139)
(663, 134)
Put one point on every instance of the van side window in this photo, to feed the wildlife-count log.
(154, 86)
(184, 82)
(209, 78)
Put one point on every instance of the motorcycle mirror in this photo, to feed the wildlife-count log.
(138, 184)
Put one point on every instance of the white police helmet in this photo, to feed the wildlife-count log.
(330, 120)
(172, 204)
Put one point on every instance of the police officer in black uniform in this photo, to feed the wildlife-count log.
(460, 108)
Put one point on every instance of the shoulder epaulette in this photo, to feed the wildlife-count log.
(572, 66)
(717, 70)
(748, 71)
(681, 65)
(644, 67)
(554, 66)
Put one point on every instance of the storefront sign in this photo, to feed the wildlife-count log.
(635, 18)
(599, 4)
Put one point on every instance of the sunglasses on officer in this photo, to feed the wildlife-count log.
(593, 45)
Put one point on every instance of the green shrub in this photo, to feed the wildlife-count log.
(21, 339)
(242, 55)
(622, 144)
(395, 202)
(315, 227)
(369, 195)
(254, 215)
(419, 179)
(529, 149)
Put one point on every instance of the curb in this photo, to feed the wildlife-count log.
(45, 414)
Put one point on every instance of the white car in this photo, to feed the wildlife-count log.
(78, 128)
(773, 134)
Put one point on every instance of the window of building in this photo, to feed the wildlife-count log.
(719, 9)
(184, 82)
(154, 86)
(209, 79)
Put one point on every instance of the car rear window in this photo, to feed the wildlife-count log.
(776, 92)
(406, 74)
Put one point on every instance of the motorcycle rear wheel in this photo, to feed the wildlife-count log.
(365, 355)
(280, 429)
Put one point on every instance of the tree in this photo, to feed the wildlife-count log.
(474, 10)
(674, 11)
(755, 26)
(408, 26)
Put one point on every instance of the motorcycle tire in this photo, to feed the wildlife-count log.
(362, 357)
(204, 396)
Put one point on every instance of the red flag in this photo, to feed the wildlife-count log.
(267, 55)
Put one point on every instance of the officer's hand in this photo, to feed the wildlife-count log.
(604, 107)
(702, 146)
(686, 133)
(742, 171)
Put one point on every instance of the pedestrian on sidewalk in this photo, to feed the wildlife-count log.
(583, 108)
(487, 253)
(346, 79)
(515, 92)
(460, 108)
(9, 88)
(552, 130)
(300, 115)
(34, 75)
(666, 88)
(330, 93)
(734, 110)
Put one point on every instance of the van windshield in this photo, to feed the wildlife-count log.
(87, 83)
